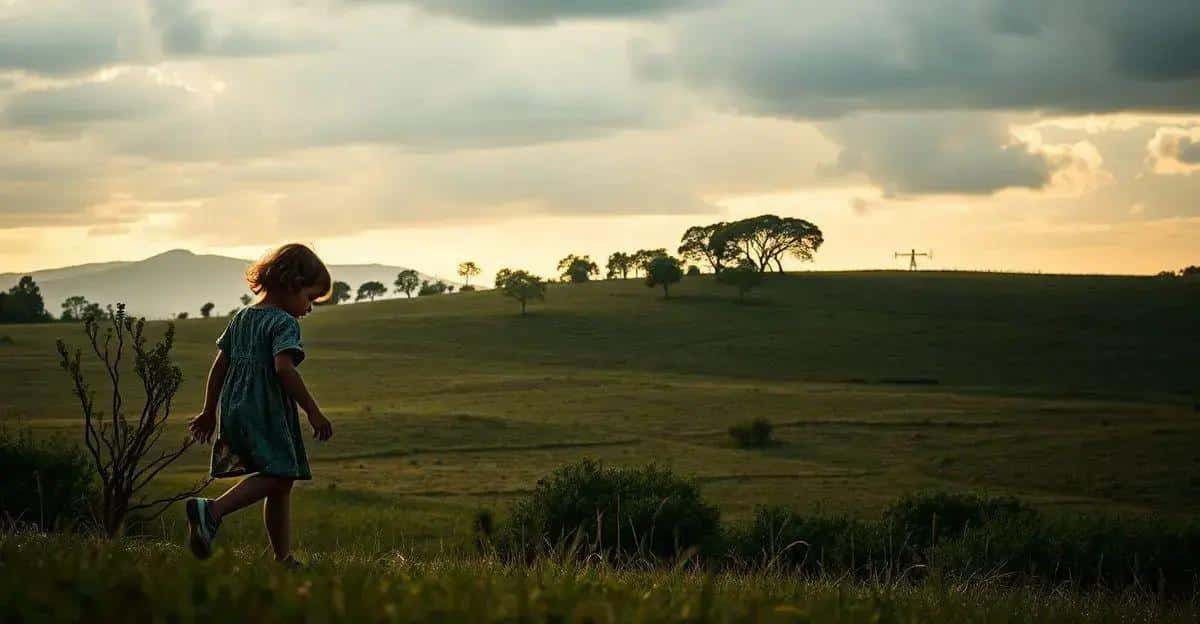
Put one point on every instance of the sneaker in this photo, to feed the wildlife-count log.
(202, 529)
(291, 563)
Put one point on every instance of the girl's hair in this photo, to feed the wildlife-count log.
(289, 268)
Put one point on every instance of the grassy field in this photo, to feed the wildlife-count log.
(1071, 392)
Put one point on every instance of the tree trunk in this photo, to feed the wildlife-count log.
(779, 265)
(522, 307)
(666, 293)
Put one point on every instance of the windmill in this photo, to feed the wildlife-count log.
(912, 256)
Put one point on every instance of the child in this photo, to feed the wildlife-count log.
(255, 388)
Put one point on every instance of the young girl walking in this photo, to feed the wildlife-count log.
(253, 391)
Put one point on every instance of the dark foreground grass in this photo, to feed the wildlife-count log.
(71, 578)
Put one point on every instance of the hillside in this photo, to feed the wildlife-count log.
(171, 282)
(1069, 391)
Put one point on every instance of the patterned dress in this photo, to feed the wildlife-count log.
(259, 424)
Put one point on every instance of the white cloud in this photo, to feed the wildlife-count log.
(1175, 151)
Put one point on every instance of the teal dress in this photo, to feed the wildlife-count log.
(259, 423)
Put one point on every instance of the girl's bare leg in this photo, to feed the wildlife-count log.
(247, 492)
(277, 516)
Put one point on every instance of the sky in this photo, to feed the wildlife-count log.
(1022, 135)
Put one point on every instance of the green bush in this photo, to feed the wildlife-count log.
(753, 434)
(48, 484)
(615, 512)
(813, 544)
(926, 517)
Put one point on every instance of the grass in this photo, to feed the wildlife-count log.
(64, 578)
(1072, 392)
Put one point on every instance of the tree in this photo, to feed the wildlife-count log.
(246, 299)
(206, 309)
(619, 264)
(182, 316)
(697, 246)
(123, 449)
(407, 281)
(467, 270)
(642, 257)
(520, 285)
(693, 270)
(73, 307)
(370, 290)
(93, 310)
(23, 303)
(432, 288)
(744, 276)
(767, 238)
(339, 292)
(1190, 271)
(577, 269)
(663, 271)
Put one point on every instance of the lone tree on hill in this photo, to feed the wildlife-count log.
(370, 290)
(520, 285)
(339, 292)
(407, 281)
(619, 264)
(663, 271)
(642, 257)
(206, 309)
(744, 276)
(245, 299)
(123, 449)
(696, 245)
(73, 308)
(577, 269)
(467, 270)
(767, 238)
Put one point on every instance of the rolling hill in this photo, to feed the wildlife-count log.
(175, 281)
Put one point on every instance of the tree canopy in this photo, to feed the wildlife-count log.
(766, 239)
(520, 285)
(744, 276)
(370, 290)
(697, 246)
(467, 270)
(206, 309)
(432, 288)
(407, 282)
(619, 264)
(23, 303)
(338, 293)
(642, 257)
(577, 268)
(663, 271)
(73, 307)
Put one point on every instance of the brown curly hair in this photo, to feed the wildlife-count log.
(289, 268)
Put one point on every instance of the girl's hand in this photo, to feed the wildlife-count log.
(322, 428)
(202, 426)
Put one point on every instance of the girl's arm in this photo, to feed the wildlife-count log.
(293, 384)
(202, 426)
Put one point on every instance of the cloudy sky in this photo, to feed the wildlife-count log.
(1051, 135)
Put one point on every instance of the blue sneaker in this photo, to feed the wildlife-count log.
(202, 529)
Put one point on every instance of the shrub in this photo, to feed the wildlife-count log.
(693, 270)
(752, 434)
(47, 483)
(923, 518)
(615, 512)
(812, 544)
(466, 288)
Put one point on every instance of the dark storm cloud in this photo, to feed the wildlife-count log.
(931, 153)
(188, 30)
(59, 41)
(809, 59)
(526, 12)
(1189, 151)
(126, 98)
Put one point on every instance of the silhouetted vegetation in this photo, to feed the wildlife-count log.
(520, 285)
(641, 259)
(755, 433)
(339, 292)
(370, 290)
(613, 512)
(663, 271)
(466, 288)
(246, 299)
(744, 276)
(23, 303)
(407, 282)
(576, 269)
(766, 239)
(432, 288)
(47, 483)
(182, 316)
(619, 265)
(693, 271)
(698, 245)
(123, 449)
(206, 309)
(467, 270)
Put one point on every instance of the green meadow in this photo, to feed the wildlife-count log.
(1074, 393)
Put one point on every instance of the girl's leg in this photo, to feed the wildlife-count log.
(277, 516)
(247, 492)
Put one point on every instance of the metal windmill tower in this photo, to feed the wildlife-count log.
(912, 256)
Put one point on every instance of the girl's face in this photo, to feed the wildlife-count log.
(300, 303)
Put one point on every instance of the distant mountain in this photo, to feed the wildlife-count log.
(175, 281)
